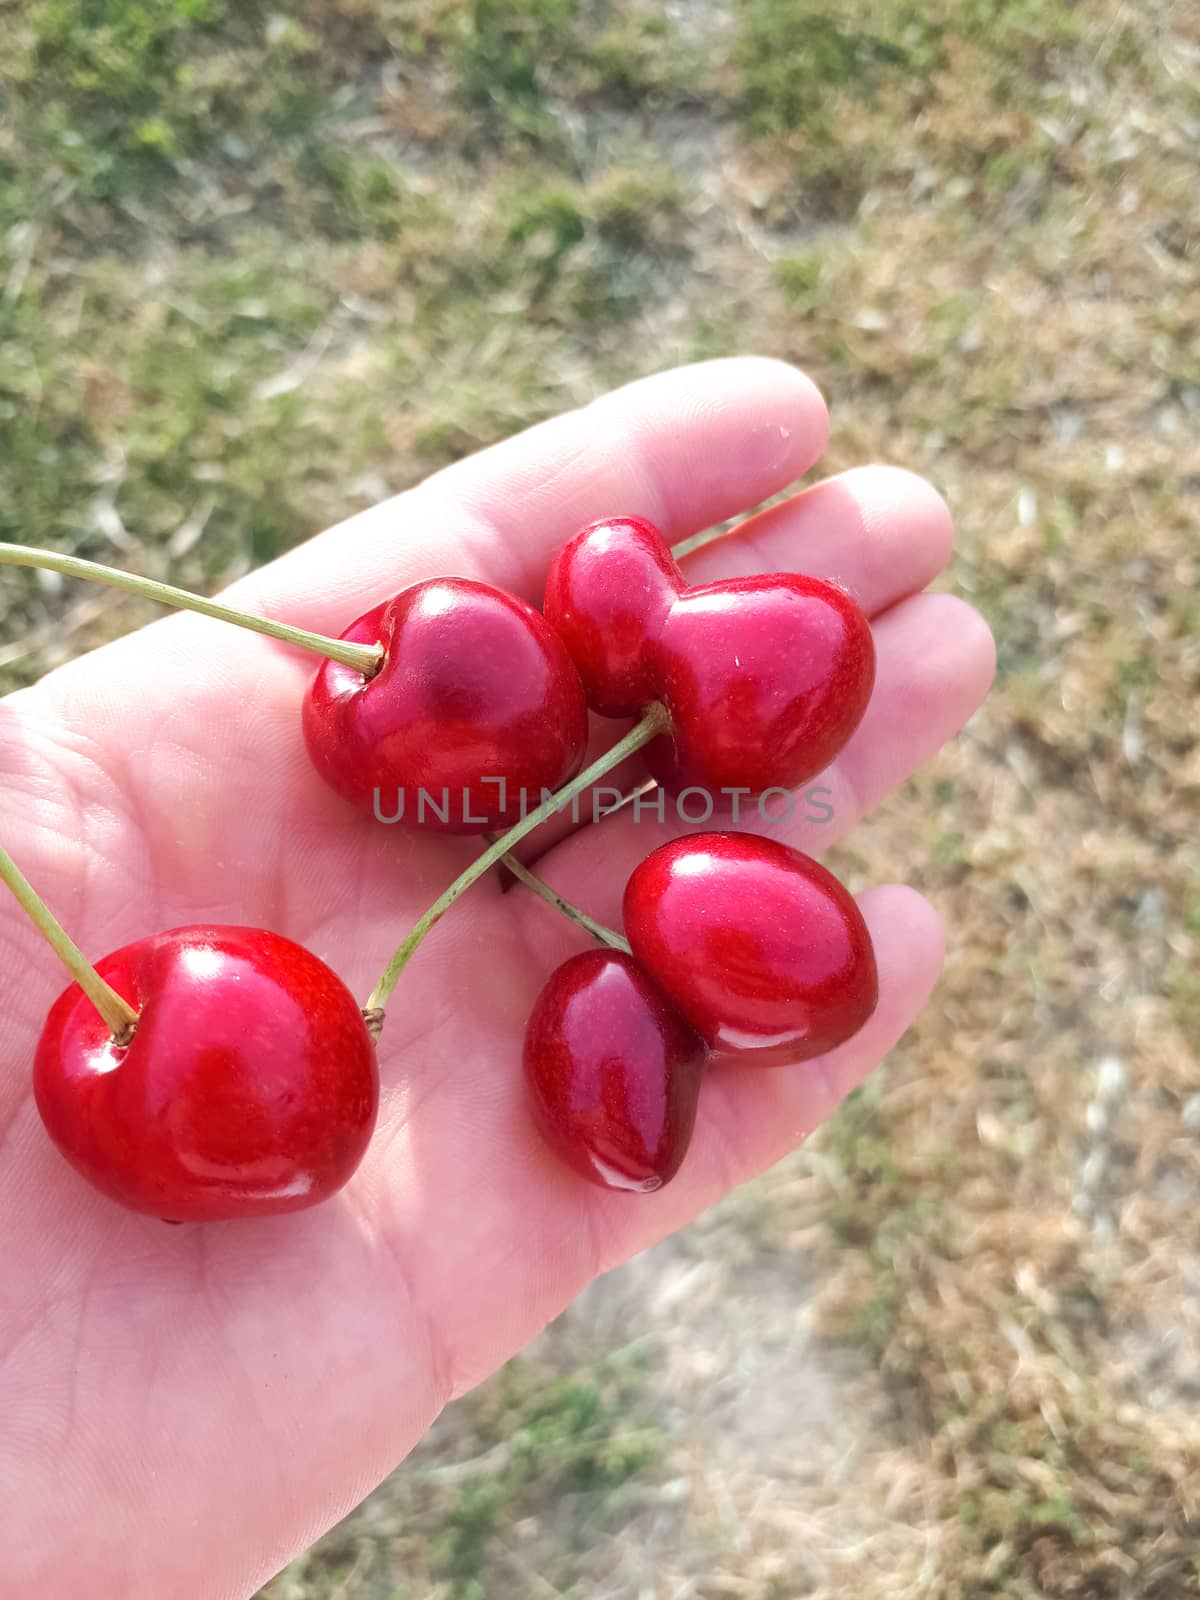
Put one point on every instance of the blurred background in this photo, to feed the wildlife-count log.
(261, 266)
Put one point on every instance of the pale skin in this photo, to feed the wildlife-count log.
(182, 1410)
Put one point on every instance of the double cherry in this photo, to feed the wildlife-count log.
(216, 1072)
(481, 699)
(764, 679)
(741, 947)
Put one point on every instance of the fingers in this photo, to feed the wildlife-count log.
(686, 448)
(935, 660)
(881, 532)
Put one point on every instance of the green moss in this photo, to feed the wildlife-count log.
(502, 54)
(590, 253)
(835, 83)
(799, 276)
(118, 102)
(574, 1437)
(791, 52)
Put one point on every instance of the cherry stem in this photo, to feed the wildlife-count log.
(608, 936)
(364, 658)
(698, 541)
(117, 1013)
(654, 721)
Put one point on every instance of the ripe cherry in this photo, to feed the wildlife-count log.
(249, 1085)
(475, 704)
(765, 678)
(613, 1072)
(760, 948)
(450, 706)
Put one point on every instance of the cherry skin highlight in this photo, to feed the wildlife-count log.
(249, 1087)
(613, 1072)
(476, 702)
(764, 678)
(763, 951)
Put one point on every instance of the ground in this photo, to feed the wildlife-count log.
(260, 266)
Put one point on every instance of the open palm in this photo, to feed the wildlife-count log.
(185, 1408)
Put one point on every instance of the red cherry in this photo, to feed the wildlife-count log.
(476, 703)
(765, 679)
(762, 950)
(607, 592)
(249, 1086)
(613, 1072)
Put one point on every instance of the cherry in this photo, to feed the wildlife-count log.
(451, 706)
(613, 1072)
(248, 1086)
(475, 705)
(761, 949)
(764, 678)
(609, 591)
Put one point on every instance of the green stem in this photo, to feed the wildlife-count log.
(698, 541)
(598, 931)
(364, 658)
(654, 721)
(119, 1014)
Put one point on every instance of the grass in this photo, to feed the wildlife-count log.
(827, 87)
(578, 1442)
(260, 266)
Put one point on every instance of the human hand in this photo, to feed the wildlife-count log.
(186, 1408)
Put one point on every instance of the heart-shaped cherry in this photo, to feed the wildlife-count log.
(765, 678)
(761, 949)
(249, 1085)
(475, 710)
(613, 1072)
